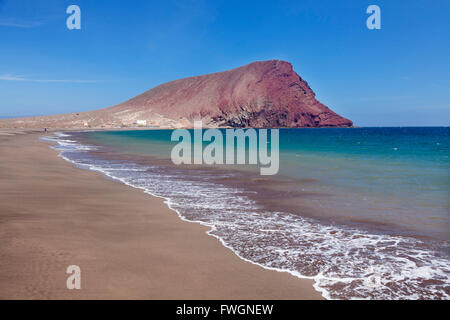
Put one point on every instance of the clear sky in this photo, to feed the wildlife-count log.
(396, 76)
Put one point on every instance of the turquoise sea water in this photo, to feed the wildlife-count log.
(406, 171)
(362, 211)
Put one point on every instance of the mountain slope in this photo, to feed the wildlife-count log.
(260, 94)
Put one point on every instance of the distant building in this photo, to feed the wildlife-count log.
(141, 122)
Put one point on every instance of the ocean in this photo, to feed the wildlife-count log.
(364, 212)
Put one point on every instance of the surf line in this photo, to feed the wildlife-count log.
(256, 152)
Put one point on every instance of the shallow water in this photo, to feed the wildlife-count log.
(363, 212)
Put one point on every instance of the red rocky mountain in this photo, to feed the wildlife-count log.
(260, 94)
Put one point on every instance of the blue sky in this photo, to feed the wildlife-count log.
(396, 76)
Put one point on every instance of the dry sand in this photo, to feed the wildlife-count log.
(129, 245)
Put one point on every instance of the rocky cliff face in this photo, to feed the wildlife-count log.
(260, 94)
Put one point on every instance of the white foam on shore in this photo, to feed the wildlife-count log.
(343, 262)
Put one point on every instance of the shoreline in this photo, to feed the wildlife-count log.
(128, 244)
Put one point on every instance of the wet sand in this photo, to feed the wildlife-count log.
(129, 245)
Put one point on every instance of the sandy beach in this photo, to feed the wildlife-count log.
(128, 244)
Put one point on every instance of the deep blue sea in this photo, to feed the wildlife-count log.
(365, 212)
